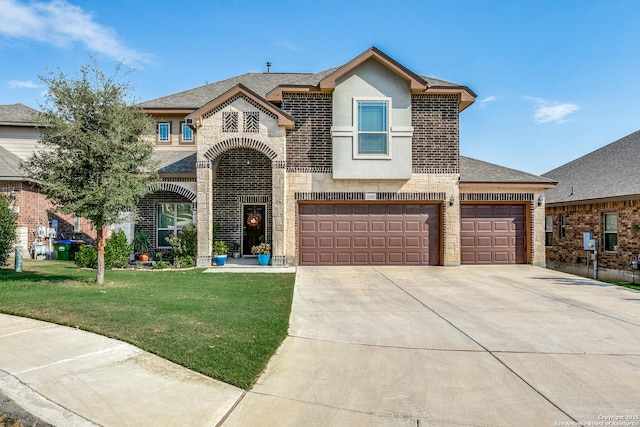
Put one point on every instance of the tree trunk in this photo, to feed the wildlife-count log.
(101, 234)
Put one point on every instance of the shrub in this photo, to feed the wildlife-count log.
(187, 244)
(86, 257)
(220, 247)
(157, 256)
(117, 251)
(185, 262)
(7, 229)
(160, 265)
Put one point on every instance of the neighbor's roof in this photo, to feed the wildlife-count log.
(9, 166)
(478, 171)
(609, 172)
(17, 115)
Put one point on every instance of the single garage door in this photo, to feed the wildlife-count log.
(493, 234)
(359, 234)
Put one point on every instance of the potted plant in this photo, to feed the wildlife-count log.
(141, 245)
(220, 250)
(263, 251)
(235, 249)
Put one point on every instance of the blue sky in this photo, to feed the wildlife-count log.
(555, 79)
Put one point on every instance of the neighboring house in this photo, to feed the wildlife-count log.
(18, 140)
(358, 164)
(598, 193)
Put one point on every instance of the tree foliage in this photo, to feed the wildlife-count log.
(96, 162)
(8, 228)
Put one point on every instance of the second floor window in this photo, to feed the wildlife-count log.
(610, 232)
(187, 133)
(164, 132)
(373, 128)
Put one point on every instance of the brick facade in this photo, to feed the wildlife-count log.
(435, 144)
(148, 211)
(568, 250)
(35, 209)
(309, 143)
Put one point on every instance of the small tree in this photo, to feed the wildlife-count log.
(96, 163)
(7, 229)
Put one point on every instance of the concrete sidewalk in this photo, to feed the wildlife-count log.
(67, 377)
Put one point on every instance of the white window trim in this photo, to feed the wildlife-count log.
(605, 232)
(357, 155)
(175, 228)
(182, 126)
(168, 123)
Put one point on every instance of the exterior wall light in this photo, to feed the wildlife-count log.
(540, 200)
(452, 200)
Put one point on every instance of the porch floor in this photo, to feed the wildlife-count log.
(247, 265)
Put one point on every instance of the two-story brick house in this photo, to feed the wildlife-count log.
(358, 164)
(19, 137)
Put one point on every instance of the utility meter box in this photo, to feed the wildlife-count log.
(586, 239)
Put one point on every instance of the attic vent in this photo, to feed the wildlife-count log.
(230, 121)
(252, 121)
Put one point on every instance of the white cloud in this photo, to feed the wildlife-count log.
(61, 24)
(548, 111)
(488, 99)
(20, 84)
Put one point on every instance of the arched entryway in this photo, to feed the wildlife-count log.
(242, 198)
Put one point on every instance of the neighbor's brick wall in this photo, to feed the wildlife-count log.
(35, 209)
(148, 212)
(589, 218)
(235, 181)
(435, 121)
(309, 143)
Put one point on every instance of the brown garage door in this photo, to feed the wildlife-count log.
(369, 234)
(493, 234)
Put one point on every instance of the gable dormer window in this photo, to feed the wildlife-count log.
(252, 121)
(372, 138)
(230, 121)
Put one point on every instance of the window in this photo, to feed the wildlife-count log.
(372, 135)
(563, 226)
(610, 232)
(548, 230)
(164, 132)
(187, 133)
(172, 217)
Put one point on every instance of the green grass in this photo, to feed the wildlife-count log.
(226, 326)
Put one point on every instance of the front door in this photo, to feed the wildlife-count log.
(253, 226)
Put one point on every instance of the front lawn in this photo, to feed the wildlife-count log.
(226, 326)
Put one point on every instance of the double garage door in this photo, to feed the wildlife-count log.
(369, 234)
(408, 234)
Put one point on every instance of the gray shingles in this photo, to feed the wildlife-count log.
(478, 171)
(17, 115)
(611, 171)
(175, 161)
(9, 165)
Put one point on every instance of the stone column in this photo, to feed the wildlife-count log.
(204, 181)
(278, 241)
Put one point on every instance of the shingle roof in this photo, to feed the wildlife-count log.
(9, 166)
(611, 171)
(175, 161)
(478, 171)
(260, 83)
(17, 115)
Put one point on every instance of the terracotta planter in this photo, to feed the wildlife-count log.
(144, 257)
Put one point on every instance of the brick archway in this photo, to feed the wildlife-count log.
(232, 143)
(175, 188)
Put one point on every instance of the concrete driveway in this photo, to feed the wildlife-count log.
(441, 346)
